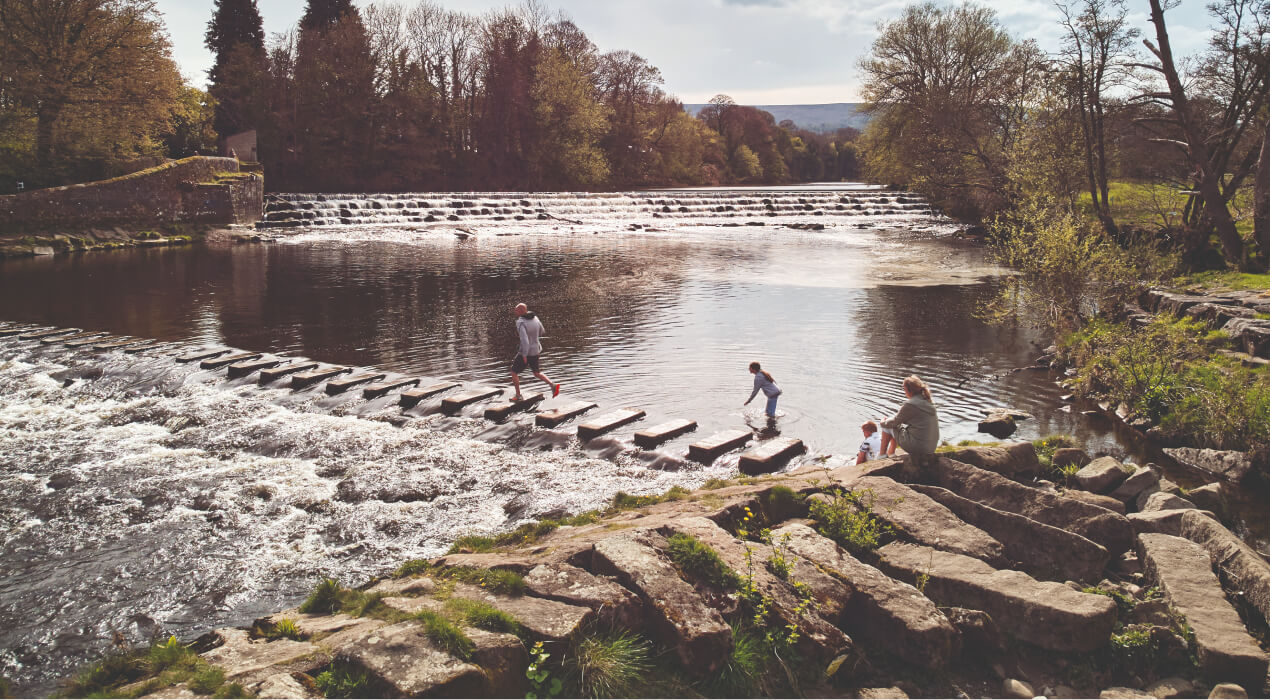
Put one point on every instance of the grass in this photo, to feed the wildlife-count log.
(446, 635)
(624, 501)
(848, 519)
(161, 665)
(484, 616)
(339, 682)
(1045, 449)
(743, 672)
(611, 665)
(1224, 281)
(779, 499)
(495, 580)
(698, 561)
(1142, 204)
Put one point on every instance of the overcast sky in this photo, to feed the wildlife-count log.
(757, 51)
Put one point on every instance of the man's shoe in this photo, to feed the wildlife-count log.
(555, 391)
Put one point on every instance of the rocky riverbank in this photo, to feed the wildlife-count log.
(49, 244)
(967, 577)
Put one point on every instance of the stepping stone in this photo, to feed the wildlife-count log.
(149, 345)
(119, 344)
(339, 386)
(712, 447)
(554, 417)
(84, 340)
(242, 369)
(658, 434)
(227, 360)
(500, 411)
(771, 455)
(1045, 613)
(375, 391)
(307, 379)
(411, 398)
(202, 355)
(927, 522)
(41, 334)
(16, 330)
(608, 422)
(454, 404)
(269, 376)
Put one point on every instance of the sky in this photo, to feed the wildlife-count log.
(760, 52)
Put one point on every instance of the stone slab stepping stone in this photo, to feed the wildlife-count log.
(41, 334)
(595, 427)
(147, 347)
(1242, 566)
(556, 416)
(716, 445)
(74, 340)
(375, 391)
(339, 386)
(918, 517)
(314, 376)
(242, 369)
(411, 398)
(664, 432)
(702, 639)
(247, 660)
(16, 330)
(500, 411)
(454, 404)
(120, 344)
(268, 376)
(771, 455)
(225, 361)
(1184, 572)
(882, 612)
(1043, 550)
(88, 340)
(614, 606)
(200, 355)
(1045, 613)
(402, 657)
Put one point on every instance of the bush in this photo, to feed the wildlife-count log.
(848, 519)
(610, 665)
(700, 562)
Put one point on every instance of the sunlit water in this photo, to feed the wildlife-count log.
(140, 495)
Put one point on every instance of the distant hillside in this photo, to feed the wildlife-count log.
(821, 118)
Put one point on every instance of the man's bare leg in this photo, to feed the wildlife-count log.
(516, 383)
(555, 389)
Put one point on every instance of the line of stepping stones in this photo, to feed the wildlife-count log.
(303, 374)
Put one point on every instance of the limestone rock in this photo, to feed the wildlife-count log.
(918, 518)
(1226, 464)
(1013, 688)
(403, 658)
(998, 425)
(1165, 501)
(1014, 460)
(1065, 456)
(1168, 522)
(544, 619)
(1227, 690)
(504, 659)
(283, 685)
(1245, 569)
(1096, 499)
(1101, 475)
(1252, 334)
(702, 638)
(1137, 482)
(1172, 687)
(1122, 693)
(1211, 497)
(248, 661)
(613, 605)
(1043, 550)
(1185, 575)
(1046, 614)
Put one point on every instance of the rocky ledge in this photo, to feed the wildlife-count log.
(964, 577)
(49, 244)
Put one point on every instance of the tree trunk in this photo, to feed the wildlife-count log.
(1261, 217)
(46, 120)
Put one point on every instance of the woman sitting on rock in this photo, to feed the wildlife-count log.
(916, 425)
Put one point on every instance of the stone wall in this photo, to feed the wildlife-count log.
(193, 191)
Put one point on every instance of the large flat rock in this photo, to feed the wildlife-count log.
(548, 620)
(701, 637)
(656, 435)
(770, 456)
(1226, 464)
(557, 416)
(882, 612)
(1241, 567)
(613, 605)
(1047, 614)
(1043, 550)
(595, 427)
(247, 660)
(403, 658)
(919, 518)
(1016, 460)
(707, 450)
(1184, 572)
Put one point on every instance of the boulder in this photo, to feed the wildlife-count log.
(1095, 499)
(998, 425)
(1014, 460)
(1043, 550)
(1184, 573)
(544, 619)
(891, 693)
(1140, 480)
(1122, 693)
(614, 606)
(1168, 522)
(503, 658)
(1047, 614)
(882, 612)
(1013, 688)
(1165, 501)
(1226, 464)
(1210, 497)
(701, 637)
(1101, 475)
(1177, 304)
(410, 665)
(1172, 687)
(1251, 334)
(917, 518)
(1240, 565)
(1108, 529)
(1227, 690)
(1065, 456)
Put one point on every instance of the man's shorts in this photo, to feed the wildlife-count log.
(518, 365)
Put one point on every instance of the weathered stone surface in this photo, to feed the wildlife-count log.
(998, 425)
(1047, 614)
(1184, 573)
(1065, 456)
(410, 585)
(882, 612)
(613, 605)
(1140, 480)
(1101, 475)
(609, 422)
(1015, 460)
(915, 516)
(1172, 687)
(247, 660)
(283, 685)
(1241, 565)
(1210, 497)
(656, 435)
(770, 455)
(1165, 501)
(1168, 522)
(544, 619)
(1098, 524)
(1014, 688)
(1226, 464)
(1252, 334)
(402, 657)
(979, 634)
(1043, 550)
(1122, 693)
(702, 638)
(503, 658)
(318, 628)
(1227, 690)
(1095, 499)
(891, 693)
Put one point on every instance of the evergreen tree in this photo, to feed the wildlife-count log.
(236, 34)
(323, 14)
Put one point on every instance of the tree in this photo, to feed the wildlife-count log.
(570, 122)
(236, 36)
(325, 14)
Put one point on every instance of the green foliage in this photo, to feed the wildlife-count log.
(1045, 449)
(1124, 603)
(161, 665)
(323, 599)
(848, 519)
(285, 627)
(542, 683)
(699, 561)
(496, 580)
(609, 665)
(207, 680)
(484, 616)
(231, 690)
(6, 689)
(625, 501)
(714, 484)
(339, 682)
(528, 533)
(1214, 281)
(742, 674)
(446, 634)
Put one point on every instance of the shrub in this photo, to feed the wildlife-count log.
(848, 519)
(285, 627)
(699, 561)
(610, 665)
(625, 501)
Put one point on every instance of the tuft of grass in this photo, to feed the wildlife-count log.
(713, 484)
(484, 616)
(496, 580)
(207, 680)
(1047, 446)
(625, 501)
(743, 672)
(848, 519)
(339, 682)
(161, 665)
(446, 634)
(286, 628)
(232, 690)
(779, 499)
(700, 562)
(528, 533)
(324, 599)
(1124, 603)
(610, 665)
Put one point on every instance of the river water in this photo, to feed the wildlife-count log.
(139, 495)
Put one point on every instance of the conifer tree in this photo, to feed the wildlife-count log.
(323, 14)
(236, 35)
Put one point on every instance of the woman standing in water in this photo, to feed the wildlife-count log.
(916, 425)
(763, 381)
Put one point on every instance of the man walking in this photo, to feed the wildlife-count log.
(529, 329)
